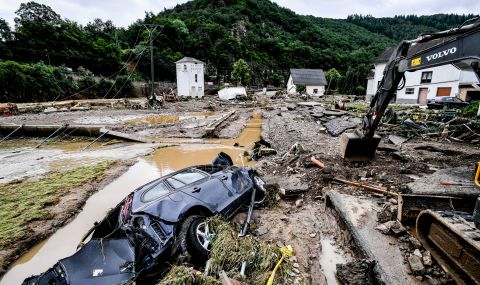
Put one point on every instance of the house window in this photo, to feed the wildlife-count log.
(426, 77)
(185, 67)
(315, 91)
(410, 91)
(196, 78)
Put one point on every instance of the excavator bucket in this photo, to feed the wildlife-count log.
(355, 148)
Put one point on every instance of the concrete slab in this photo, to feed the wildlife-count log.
(359, 214)
(430, 184)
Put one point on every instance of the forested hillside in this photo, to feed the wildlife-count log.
(271, 39)
(410, 26)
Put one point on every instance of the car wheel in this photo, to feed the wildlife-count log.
(199, 240)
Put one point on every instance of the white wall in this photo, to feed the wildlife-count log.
(291, 88)
(442, 76)
(373, 83)
(186, 84)
(371, 88)
(320, 90)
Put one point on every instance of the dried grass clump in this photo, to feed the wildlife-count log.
(183, 275)
(229, 251)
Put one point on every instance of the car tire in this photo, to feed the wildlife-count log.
(199, 240)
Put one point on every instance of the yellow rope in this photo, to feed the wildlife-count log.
(286, 251)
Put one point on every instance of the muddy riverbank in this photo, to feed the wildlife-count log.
(61, 213)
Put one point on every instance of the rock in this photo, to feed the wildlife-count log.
(312, 235)
(357, 272)
(296, 265)
(385, 214)
(415, 242)
(299, 203)
(385, 227)
(80, 108)
(308, 104)
(362, 174)
(399, 156)
(427, 258)
(393, 201)
(417, 252)
(419, 278)
(261, 231)
(415, 264)
(337, 126)
(396, 140)
(283, 109)
(50, 110)
(336, 113)
(291, 107)
(398, 229)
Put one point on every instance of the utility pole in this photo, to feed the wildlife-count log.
(152, 71)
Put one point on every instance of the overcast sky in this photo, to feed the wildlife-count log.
(125, 12)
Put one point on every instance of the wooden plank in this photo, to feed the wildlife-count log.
(210, 128)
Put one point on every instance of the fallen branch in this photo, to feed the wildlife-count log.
(366, 187)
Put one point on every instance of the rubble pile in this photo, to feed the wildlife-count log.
(419, 261)
(229, 252)
(427, 125)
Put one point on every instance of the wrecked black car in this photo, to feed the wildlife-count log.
(156, 222)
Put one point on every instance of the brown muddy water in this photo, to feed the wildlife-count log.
(165, 160)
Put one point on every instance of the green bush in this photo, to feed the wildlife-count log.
(472, 109)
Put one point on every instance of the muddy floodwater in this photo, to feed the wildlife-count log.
(329, 259)
(163, 161)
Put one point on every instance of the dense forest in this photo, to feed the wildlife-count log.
(38, 54)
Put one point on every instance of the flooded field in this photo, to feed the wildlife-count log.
(163, 161)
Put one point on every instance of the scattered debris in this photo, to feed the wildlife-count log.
(337, 126)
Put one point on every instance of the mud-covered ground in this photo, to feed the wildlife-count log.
(317, 234)
(61, 213)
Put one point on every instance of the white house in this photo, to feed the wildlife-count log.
(313, 79)
(425, 84)
(190, 77)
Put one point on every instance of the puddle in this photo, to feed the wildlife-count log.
(168, 119)
(164, 160)
(329, 258)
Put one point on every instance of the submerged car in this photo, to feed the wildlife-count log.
(155, 222)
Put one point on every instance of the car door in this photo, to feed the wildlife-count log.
(237, 183)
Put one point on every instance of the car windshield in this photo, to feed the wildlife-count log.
(156, 191)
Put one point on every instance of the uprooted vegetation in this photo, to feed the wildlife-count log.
(22, 202)
(228, 253)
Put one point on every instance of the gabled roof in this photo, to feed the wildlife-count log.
(308, 76)
(189, 60)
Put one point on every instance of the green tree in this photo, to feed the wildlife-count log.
(5, 31)
(35, 12)
(333, 77)
(241, 72)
